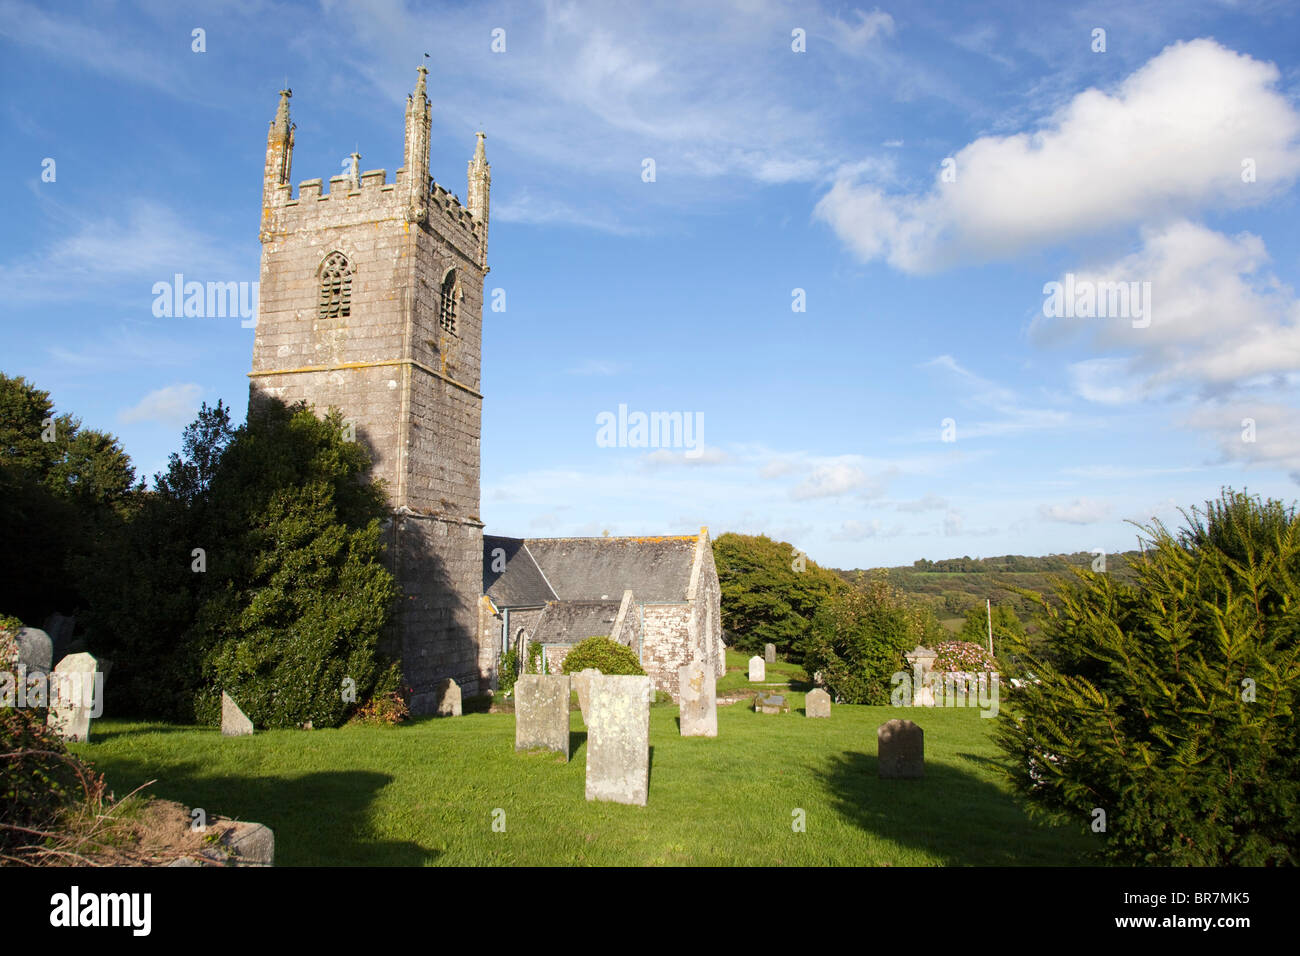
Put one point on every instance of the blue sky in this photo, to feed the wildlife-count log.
(775, 170)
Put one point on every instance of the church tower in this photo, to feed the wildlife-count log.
(371, 301)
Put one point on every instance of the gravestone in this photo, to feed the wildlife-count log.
(60, 627)
(75, 696)
(697, 700)
(234, 722)
(35, 650)
(542, 712)
(447, 694)
(817, 703)
(757, 669)
(769, 653)
(581, 682)
(771, 704)
(900, 749)
(618, 739)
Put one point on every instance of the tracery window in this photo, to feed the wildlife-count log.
(447, 307)
(335, 287)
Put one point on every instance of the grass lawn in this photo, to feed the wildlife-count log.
(424, 793)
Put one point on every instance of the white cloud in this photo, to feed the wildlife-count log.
(841, 476)
(1218, 318)
(665, 457)
(1260, 434)
(929, 502)
(1168, 141)
(1017, 415)
(864, 530)
(151, 245)
(596, 367)
(526, 209)
(1079, 511)
(174, 405)
(857, 36)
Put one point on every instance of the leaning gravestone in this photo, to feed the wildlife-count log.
(900, 749)
(75, 697)
(542, 712)
(618, 740)
(447, 693)
(757, 669)
(582, 684)
(817, 703)
(234, 723)
(60, 628)
(697, 700)
(769, 653)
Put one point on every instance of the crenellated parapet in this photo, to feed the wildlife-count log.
(356, 196)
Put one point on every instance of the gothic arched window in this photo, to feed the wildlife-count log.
(335, 287)
(447, 305)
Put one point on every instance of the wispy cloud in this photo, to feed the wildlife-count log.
(173, 405)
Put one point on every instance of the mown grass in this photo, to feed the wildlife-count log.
(425, 793)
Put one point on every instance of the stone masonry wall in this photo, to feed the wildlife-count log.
(665, 643)
(706, 606)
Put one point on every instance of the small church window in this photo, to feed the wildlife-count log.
(335, 287)
(448, 303)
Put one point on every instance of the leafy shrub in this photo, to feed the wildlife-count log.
(766, 598)
(387, 708)
(1171, 703)
(605, 655)
(535, 663)
(508, 671)
(859, 637)
(39, 781)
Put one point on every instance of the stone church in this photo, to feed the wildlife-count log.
(371, 301)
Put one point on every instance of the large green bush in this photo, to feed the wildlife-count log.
(1171, 704)
(769, 592)
(859, 636)
(604, 654)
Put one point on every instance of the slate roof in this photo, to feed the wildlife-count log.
(568, 622)
(522, 583)
(656, 569)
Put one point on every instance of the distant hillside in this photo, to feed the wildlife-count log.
(953, 585)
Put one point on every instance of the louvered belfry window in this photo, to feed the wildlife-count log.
(335, 287)
(447, 305)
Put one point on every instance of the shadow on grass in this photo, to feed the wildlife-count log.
(963, 820)
(98, 736)
(319, 819)
(577, 740)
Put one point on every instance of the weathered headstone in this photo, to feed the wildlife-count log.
(771, 704)
(234, 722)
(542, 712)
(75, 696)
(581, 682)
(900, 749)
(817, 703)
(697, 700)
(769, 653)
(618, 739)
(60, 627)
(35, 650)
(757, 669)
(447, 694)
